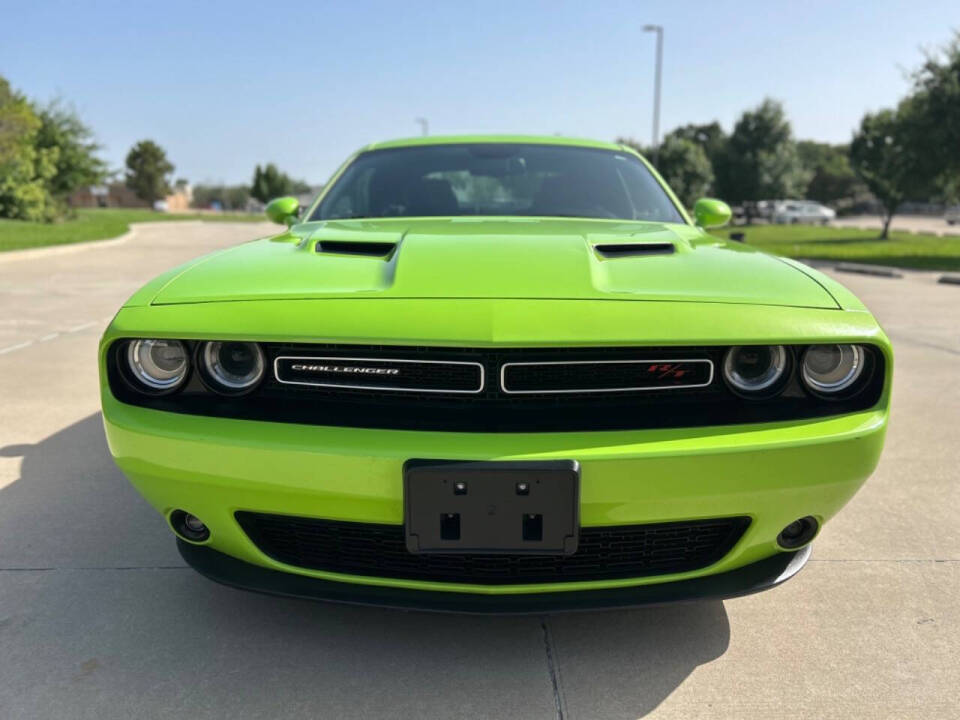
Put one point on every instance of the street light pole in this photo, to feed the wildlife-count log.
(424, 125)
(658, 29)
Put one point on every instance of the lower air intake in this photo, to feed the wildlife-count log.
(604, 553)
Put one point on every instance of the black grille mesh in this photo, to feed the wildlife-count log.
(605, 375)
(603, 553)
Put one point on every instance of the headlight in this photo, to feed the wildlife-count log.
(755, 369)
(232, 367)
(832, 368)
(160, 365)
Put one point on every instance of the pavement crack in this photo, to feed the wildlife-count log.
(548, 645)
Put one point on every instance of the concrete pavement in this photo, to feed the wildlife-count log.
(99, 618)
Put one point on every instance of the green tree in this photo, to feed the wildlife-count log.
(762, 159)
(710, 137)
(269, 183)
(148, 171)
(884, 157)
(931, 118)
(683, 163)
(25, 169)
(686, 168)
(75, 161)
(832, 178)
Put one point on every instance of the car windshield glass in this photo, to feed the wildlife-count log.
(497, 179)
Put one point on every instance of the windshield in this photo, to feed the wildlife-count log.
(497, 179)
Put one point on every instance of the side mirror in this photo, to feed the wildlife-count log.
(283, 210)
(710, 213)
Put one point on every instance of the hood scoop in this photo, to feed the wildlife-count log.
(619, 250)
(356, 247)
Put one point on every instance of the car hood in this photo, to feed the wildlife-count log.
(519, 258)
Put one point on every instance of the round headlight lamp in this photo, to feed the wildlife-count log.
(830, 369)
(158, 365)
(232, 367)
(755, 369)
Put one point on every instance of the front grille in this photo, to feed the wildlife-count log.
(356, 373)
(497, 390)
(603, 553)
(605, 375)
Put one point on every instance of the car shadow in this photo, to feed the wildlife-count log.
(73, 518)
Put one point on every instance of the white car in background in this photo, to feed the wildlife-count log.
(802, 211)
(952, 215)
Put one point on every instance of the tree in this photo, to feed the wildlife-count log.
(930, 117)
(75, 161)
(762, 159)
(884, 158)
(683, 163)
(269, 183)
(710, 137)
(832, 179)
(25, 169)
(686, 168)
(148, 171)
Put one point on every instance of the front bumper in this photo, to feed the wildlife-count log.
(758, 576)
(773, 473)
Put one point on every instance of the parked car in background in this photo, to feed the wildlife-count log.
(802, 211)
(952, 215)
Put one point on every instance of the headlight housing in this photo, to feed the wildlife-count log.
(756, 370)
(831, 369)
(232, 367)
(158, 366)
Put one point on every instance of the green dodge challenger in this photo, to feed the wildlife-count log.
(496, 374)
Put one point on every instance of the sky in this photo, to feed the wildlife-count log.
(223, 86)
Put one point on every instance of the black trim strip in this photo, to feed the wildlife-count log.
(492, 410)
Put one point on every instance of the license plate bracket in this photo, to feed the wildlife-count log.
(511, 507)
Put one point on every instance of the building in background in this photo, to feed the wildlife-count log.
(118, 195)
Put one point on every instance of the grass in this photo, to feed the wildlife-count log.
(96, 224)
(908, 250)
(902, 249)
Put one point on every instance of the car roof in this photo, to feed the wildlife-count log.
(465, 139)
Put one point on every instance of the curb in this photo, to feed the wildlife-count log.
(64, 249)
(875, 270)
(949, 280)
(67, 248)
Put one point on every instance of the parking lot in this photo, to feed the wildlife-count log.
(99, 617)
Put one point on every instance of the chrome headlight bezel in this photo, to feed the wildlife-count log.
(144, 372)
(770, 383)
(221, 379)
(852, 355)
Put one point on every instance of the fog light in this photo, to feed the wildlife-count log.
(192, 522)
(798, 533)
(188, 526)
